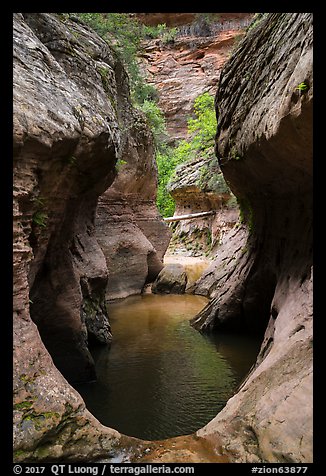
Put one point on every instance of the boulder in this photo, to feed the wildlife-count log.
(129, 228)
(171, 280)
(198, 186)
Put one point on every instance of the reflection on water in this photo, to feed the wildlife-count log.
(161, 378)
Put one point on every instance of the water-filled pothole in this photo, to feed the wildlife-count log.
(161, 378)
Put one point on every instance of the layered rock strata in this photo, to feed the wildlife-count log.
(181, 70)
(129, 228)
(189, 65)
(73, 121)
(198, 186)
(179, 19)
(264, 145)
(67, 138)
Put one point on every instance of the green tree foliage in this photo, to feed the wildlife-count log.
(202, 131)
(155, 120)
(125, 34)
(166, 164)
(203, 128)
(167, 35)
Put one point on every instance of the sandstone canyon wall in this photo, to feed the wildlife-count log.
(263, 275)
(180, 19)
(71, 115)
(181, 70)
(73, 121)
(198, 186)
(129, 229)
(190, 64)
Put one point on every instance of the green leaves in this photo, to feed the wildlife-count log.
(160, 31)
(155, 119)
(120, 163)
(202, 130)
(302, 87)
(167, 162)
(124, 34)
(40, 218)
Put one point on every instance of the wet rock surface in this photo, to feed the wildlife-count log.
(68, 137)
(183, 449)
(264, 145)
(172, 279)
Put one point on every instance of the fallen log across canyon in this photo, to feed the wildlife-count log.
(189, 216)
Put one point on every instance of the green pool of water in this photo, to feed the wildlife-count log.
(161, 378)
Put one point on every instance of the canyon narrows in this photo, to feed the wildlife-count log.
(87, 230)
(72, 121)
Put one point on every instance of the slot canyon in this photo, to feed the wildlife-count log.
(206, 313)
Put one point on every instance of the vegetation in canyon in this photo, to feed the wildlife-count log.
(201, 130)
(127, 35)
(96, 148)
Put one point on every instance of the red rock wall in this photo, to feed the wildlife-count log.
(129, 228)
(189, 65)
(181, 70)
(67, 139)
(175, 19)
(264, 145)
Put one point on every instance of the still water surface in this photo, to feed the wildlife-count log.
(161, 378)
